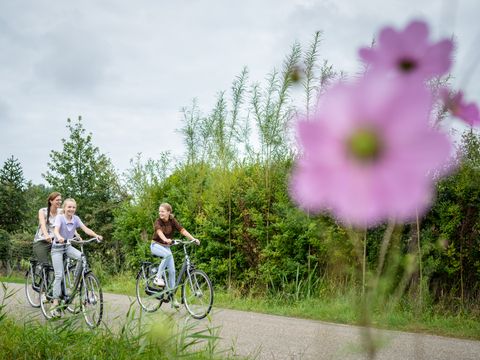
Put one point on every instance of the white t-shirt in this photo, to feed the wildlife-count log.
(49, 224)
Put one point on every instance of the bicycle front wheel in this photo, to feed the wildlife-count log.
(91, 300)
(197, 294)
(32, 286)
(146, 296)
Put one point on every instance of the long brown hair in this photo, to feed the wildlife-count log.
(51, 197)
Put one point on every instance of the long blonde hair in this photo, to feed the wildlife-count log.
(167, 207)
(68, 200)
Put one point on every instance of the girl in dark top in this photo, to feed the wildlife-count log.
(165, 227)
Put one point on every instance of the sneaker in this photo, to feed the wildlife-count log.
(44, 299)
(175, 304)
(159, 282)
(55, 313)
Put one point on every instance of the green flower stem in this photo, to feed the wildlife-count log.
(383, 250)
(419, 261)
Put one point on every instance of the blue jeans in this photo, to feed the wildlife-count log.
(57, 262)
(167, 262)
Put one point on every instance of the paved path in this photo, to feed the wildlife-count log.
(272, 337)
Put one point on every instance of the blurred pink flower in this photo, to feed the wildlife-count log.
(408, 53)
(454, 103)
(367, 152)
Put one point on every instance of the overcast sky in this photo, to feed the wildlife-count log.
(127, 67)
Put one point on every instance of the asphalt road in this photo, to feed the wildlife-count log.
(261, 336)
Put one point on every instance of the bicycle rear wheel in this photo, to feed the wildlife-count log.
(146, 296)
(32, 286)
(197, 294)
(91, 299)
(46, 295)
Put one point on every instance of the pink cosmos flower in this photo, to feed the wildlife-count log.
(454, 103)
(408, 53)
(367, 152)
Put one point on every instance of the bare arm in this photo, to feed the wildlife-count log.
(43, 225)
(90, 232)
(185, 233)
(56, 231)
(162, 236)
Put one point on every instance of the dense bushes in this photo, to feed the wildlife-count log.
(255, 239)
(451, 231)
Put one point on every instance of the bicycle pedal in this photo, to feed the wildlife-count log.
(175, 304)
(55, 314)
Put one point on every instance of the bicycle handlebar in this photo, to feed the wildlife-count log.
(183, 242)
(76, 240)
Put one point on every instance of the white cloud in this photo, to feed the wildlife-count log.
(128, 68)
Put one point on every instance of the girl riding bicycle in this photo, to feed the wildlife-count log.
(165, 226)
(65, 228)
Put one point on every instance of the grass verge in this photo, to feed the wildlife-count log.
(343, 310)
(338, 308)
(162, 337)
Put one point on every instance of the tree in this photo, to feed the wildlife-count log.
(145, 174)
(5, 250)
(12, 195)
(37, 195)
(80, 170)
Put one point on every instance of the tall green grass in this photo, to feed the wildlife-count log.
(165, 337)
(54, 341)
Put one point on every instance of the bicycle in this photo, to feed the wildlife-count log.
(33, 277)
(85, 284)
(197, 290)
(32, 283)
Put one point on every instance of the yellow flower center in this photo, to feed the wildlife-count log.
(364, 145)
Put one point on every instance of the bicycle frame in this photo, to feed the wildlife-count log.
(187, 267)
(195, 285)
(79, 276)
(46, 269)
(85, 287)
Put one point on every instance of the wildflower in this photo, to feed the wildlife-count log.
(367, 152)
(408, 53)
(296, 74)
(454, 103)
